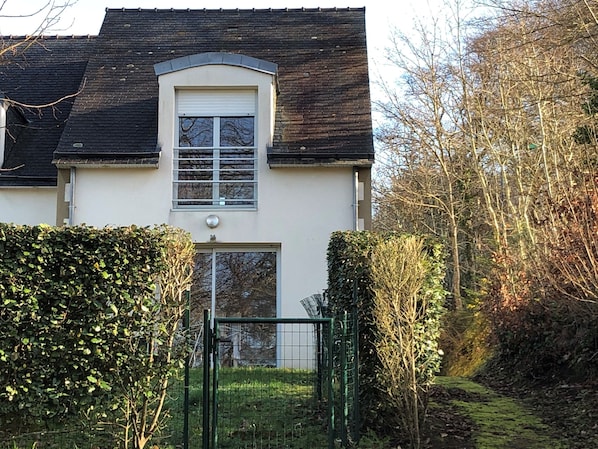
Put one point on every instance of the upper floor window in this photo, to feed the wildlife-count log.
(215, 153)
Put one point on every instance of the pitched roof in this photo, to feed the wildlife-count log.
(35, 72)
(323, 105)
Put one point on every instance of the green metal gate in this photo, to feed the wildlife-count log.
(267, 384)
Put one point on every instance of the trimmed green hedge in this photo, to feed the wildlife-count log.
(350, 288)
(78, 310)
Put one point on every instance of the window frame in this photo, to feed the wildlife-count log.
(215, 160)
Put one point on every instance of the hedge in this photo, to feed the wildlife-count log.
(79, 310)
(350, 287)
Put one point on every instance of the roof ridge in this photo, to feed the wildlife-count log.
(327, 9)
(49, 36)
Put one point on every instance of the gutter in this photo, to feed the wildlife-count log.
(2, 131)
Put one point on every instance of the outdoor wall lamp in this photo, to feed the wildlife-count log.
(212, 221)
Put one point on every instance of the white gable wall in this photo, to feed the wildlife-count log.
(298, 208)
(120, 197)
(28, 205)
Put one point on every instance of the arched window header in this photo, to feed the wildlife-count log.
(214, 58)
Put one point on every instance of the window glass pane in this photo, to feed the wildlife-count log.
(236, 131)
(194, 172)
(192, 194)
(237, 164)
(195, 164)
(211, 173)
(201, 292)
(246, 284)
(196, 131)
(245, 287)
(238, 193)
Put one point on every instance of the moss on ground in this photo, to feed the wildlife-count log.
(500, 422)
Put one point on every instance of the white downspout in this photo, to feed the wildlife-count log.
(71, 219)
(355, 199)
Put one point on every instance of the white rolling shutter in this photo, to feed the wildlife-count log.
(216, 103)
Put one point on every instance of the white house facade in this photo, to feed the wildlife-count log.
(259, 152)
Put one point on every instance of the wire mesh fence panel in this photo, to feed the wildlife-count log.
(346, 375)
(345, 359)
(273, 384)
(250, 383)
(180, 408)
(269, 383)
(184, 407)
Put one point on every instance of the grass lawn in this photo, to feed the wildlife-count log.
(257, 408)
(500, 422)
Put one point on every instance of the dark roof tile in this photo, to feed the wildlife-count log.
(323, 104)
(39, 71)
(321, 58)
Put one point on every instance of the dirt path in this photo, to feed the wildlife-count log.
(467, 415)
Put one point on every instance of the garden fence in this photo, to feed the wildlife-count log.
(259, 383)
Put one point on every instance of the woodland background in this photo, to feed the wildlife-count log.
(489, 142)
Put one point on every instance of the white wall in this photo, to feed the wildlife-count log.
(28, 205)
(120, 197)
(298, 208)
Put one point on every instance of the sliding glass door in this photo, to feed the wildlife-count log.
(238, 283)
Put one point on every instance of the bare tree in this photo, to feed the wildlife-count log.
(523, 103)
(428, 184)
(485, 120)
(398, 273)
(45, 18)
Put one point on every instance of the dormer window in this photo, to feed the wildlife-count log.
(215, 152)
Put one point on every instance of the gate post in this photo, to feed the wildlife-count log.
(186, 326)
(356, 427)
(214, 351)
(344, 392)
(330, 371)
(207, 351)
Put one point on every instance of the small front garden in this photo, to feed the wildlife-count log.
(93, 354)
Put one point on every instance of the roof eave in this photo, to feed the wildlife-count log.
(310, 163)
(288, 158)
(107, 160)
(87, 163)
(12, 181)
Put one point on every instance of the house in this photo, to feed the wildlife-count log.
(249, 128)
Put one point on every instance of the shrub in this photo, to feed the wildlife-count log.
(466, 341)
(82, 325)
(407, 331)
(352, 287)
(544, 310)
